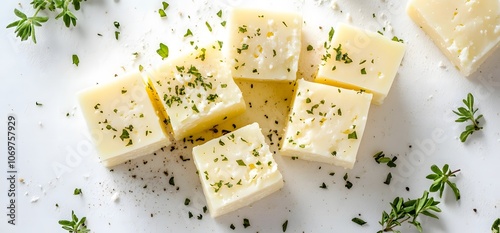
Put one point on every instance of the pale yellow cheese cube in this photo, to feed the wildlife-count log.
(236, 170)
(361, 60)
(466, 31)
(326, 124)
(263, 45)
(122, 120)
(197, 91)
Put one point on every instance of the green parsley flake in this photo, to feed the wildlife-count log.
(240, 162)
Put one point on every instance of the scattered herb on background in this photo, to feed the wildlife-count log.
(441, 178)
(25, 26)
(395, 38)
(75, 59)
(161, 11)
(162, 51)
(381, 158)
(467, 114)
(358, 221)
(284, 226)
(408, 211)
(246, 222)
(495, 228)
(38, 104)
(77, 191)
(388, 179)
(73, 225)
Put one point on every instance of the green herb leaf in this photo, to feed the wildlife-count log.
(495, 228)
(284, 226)
(162, 51)
(467, 114)
(441, 178)
(358, 221)
(77, 191)
(73, 225)
(246, 223)
(75, 59)
(240, 162)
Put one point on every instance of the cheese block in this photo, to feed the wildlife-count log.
(122, 120)
(197, 91)
(236, 170)
(466, 31)
(263, 45)
(361, 60)
(326, 124)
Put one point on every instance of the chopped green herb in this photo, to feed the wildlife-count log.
(284, 226)
(246, 223)
(309, 48)
(171, 181)
(363, 71)
(75, 59)
(187, 201)
(358, 221)
(232, 226)
(208, 26)
(352, 135)
(388, 179)
(495, 228)
(380, 158)
(117, 24)
(240, 162)
(395, 38)
(188, 33)
(40, 104)
(162, 51)
(77, 191)
(219, 13)
(330, 34)
(323, 186)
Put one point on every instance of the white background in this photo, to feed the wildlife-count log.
(415, 123)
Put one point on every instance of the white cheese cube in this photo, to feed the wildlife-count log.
(236, 170)
(122, 120)
(197, 91)
(361, 60)
(467, 32)
(264, 45)
(326, 124)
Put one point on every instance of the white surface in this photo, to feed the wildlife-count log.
(416, 113)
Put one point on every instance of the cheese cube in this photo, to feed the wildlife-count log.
(264, 45)
(122, 120)
(236, 170)
(197, 91)
(466, 31)
(361, 60)
(326, 124)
